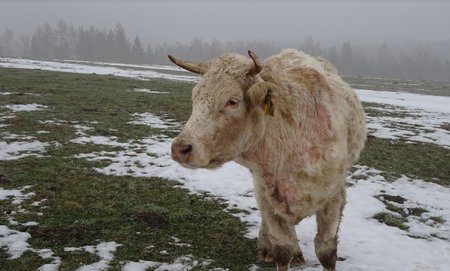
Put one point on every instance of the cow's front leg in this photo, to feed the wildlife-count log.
(281, 236)
(297, 258)
(264, 246)
(265, 250)
(276, 234)
(328, 219)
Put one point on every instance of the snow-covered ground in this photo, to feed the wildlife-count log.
(14, 146)
(133, 71)
(415, 117)
(365, 243)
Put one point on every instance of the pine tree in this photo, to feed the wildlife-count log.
(149, 54)
(7, 41)
(43, 42)
(137, 52)
(121, 45)
(62, 48)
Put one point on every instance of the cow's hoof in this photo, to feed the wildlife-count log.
(264, 255)
(283, 268)
(298, 260)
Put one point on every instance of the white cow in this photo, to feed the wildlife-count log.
(295, 124)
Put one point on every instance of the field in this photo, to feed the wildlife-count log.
(86, 180)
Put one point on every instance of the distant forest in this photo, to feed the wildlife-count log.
(414, 60)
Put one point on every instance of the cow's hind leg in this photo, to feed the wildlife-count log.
(328, 219)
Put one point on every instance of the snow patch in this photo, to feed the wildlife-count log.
(13, 146)
(180, 264)
(145, 90)
(140, 265)
(14, 241)
(429, 103)
(17, 150)
(153, 121)
(418, 126)
(103, 250)
(143, 72)
(16, 195)
(81, 129)
(25, 107)
(48, 254)
(99, 140)
(177, 242)
(425, 117)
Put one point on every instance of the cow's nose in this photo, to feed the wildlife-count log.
(181, 151)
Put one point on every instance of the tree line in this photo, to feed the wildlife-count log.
(416, 61)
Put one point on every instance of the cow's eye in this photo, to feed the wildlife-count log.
(232, 103)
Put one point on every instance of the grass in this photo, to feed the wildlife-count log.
(395, 157)
(84, 207)
(392, 220)
(419, 87)
(420, 160)
(379, 110)
(400, 215)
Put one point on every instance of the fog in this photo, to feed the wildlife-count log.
(397, 39)
(330, 22)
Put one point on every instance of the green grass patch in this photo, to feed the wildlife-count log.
(84, 207)
(420, 160)
(418, 211)
(438, 219)
(419, 87)
(385, 110)
(391, 207)
(392, 220)
(445, 126)
(28, 261)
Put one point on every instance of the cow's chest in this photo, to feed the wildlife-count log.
(292, 197)
(285, 183)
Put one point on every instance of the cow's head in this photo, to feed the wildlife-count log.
(227, 112)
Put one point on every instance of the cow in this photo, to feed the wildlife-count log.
(295, 124)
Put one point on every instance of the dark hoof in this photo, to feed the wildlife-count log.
(298, 260)
(264, 256)
(283, 268)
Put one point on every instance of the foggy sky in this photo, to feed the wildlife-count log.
(282, 21)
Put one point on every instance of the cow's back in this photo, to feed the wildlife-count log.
(345, 109)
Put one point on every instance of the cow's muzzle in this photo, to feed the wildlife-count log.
(181, 151)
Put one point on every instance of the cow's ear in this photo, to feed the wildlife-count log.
(260, 95)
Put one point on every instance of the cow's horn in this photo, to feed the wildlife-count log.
(199, 68)
(257, 68)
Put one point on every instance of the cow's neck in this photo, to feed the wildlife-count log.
(271, 153)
